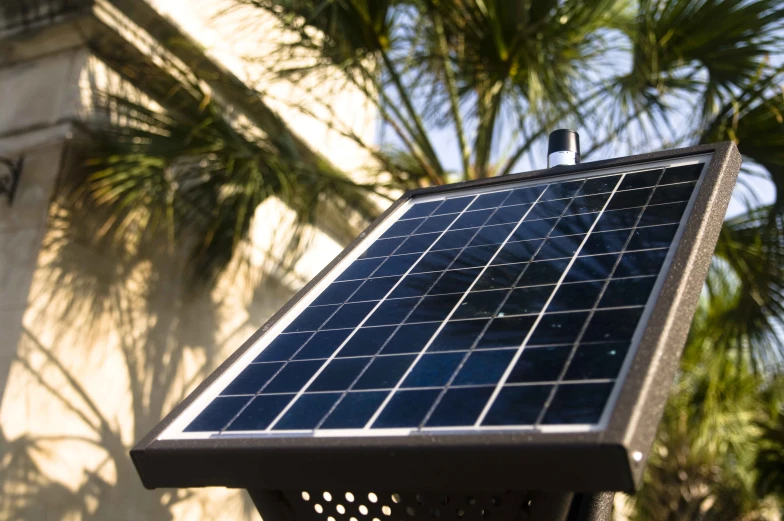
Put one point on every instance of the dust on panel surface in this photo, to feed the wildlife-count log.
(512, 308)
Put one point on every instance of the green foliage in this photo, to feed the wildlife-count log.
(193, 177)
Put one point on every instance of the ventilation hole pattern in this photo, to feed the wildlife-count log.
(407, 506)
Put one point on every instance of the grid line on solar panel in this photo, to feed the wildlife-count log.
(370, 363)
(459, 368)
(543, 414)
(382, 355)
(505, 376)
(313, 377)
(460, 363)
(400, 380)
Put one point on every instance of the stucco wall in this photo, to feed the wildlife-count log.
(80, 331)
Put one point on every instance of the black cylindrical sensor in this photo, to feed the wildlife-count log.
(563, 148)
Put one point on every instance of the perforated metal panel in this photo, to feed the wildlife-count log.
(405, 506)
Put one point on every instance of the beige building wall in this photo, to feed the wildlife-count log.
(78, 374)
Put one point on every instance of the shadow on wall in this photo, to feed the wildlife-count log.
(113, 338)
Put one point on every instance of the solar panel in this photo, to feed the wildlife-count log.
(516, 305)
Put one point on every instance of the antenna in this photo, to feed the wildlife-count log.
(563, 148)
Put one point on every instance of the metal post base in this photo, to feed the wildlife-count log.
(431, 505)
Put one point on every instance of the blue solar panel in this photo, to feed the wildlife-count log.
(507, 308)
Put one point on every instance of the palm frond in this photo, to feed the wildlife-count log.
(711, 46)
(191, 175)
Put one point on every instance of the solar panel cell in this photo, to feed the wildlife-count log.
(435, 223)
(575, 296)
(361, 269)
(560, 247)
(640, 179)
(627, 292)
(630, 199)
(406, 409)
(402, 228)
(484, 367)
(311, 318)
(455, 239)
(548, 209)
(662, 214)
(434, 308)
(524, 195)
(338, 375)
(374, 289)
(531, 229)
(323, 344)
(475, 256)
(540, 364)
(559, 328)
(283, 347)
(597, 361)
(436, 260)
(366, 341)
(453, 205)
(518, 405)
(307, 411)
(587, 204)
(433, 370)
(217, 414)
(635, 264)
(252, 378)
(561, 190)
(617, 219)
(471, 219)
(582, 403)
(599, 185)
(672, 193)
(503, 276)
(417, 243)
(382, 247)
(459, 406)
(384, 372)
(420, 210)
(513, 252)
(492, 234)
(491, 200)
(506, 332)
(410, 338)
(680, 174)
(260, 412)
(526, 300)
(349, 315)
(292, 377)
(479, 304)
(543, 272)
(458, 335)
(594, 267)
(354, 410)
(392, 311)
(455, 281)
(574, 224)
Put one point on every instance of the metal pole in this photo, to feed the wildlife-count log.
(592, 507)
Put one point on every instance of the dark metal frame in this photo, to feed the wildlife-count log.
(610, 459)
